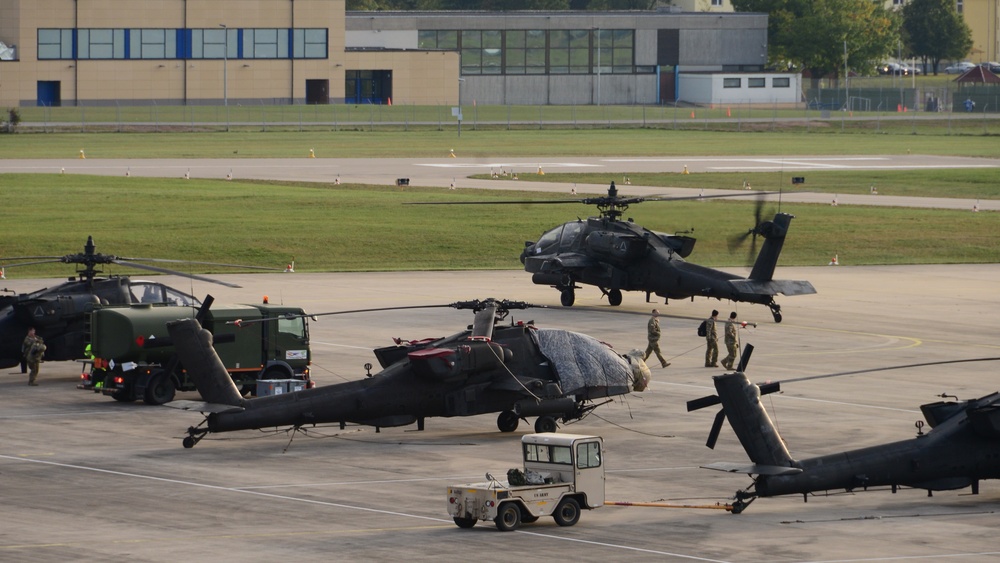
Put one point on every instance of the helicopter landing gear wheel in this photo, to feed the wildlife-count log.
(545, 424)
(615, 297)
(507, 421)
(776, 312)
(567, 297)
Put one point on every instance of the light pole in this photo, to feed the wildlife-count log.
(225, 71)
(597, 37)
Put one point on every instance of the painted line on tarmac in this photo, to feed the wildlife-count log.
(347, 506)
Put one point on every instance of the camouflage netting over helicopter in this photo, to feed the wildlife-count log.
(584, 363)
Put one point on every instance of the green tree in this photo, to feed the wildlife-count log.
(814, 34)
(935, 31)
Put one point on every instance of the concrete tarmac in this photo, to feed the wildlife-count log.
(86, 478)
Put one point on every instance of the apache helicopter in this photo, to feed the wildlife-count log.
(962, 447)
(617, 255)
(517, 370)
(59, 313)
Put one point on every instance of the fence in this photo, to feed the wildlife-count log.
(921, 110)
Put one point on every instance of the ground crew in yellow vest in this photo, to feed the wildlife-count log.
(653, 334)
(732, 341)
(34, 348)
(711, 341)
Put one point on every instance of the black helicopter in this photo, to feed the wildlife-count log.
(517, 370)
(618, 256)
(962, 447)
(59, 313)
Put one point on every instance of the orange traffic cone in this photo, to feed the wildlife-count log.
(728, 113)
(390, 101)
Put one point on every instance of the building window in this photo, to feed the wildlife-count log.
(437, 39)
(781, 82)
(755, 82)
(613, 51)
(152, 44)
(569, 51)
(100, 44)
(716, 2)
(482, 51)
(732, 82)
(309, 43)
(55, 44)
(265, 44)
(525, 52)
(214, 44)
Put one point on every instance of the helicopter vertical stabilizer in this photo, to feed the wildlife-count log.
(774, 238)
(741, 404)
(210, 376)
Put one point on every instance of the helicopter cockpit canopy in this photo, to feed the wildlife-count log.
(584, 365)
(157, 293)
(558, 239)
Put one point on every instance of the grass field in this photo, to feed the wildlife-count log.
(344, 228)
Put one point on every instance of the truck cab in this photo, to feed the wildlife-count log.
(563, 473)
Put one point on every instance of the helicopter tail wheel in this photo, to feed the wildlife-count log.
(567, 297)
(776, 312)
(615, 297)
(194, 436)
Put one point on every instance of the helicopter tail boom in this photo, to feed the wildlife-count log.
(194, 345)
(741, 404)
(774, 238)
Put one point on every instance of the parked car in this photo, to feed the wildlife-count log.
(959, 68)
(897, 69)
(991, 66)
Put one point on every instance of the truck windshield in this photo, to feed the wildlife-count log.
(295, 327)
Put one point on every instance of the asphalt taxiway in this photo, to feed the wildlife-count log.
(447, 172)
(86, 478)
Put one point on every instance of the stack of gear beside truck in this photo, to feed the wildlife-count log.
(130, 360)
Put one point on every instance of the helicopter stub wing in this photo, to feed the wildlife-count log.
(752, 469)
(202, 407)
(774, 287)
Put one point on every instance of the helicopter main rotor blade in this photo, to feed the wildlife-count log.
(121, 259)
(57, 259)
(173, 272)
(887, 368)
(591, 200)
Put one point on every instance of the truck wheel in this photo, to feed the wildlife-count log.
(545, 424)
(507, 421)
(465, 522)
(160, 389)
(567, 513)
(508, 517)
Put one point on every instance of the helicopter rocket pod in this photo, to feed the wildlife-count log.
(517, 370)
(617, 255)
(962, 447)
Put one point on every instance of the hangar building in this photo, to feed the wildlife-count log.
(214, 52)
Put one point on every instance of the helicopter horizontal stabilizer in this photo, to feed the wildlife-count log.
(202, 407)
(774, 287)
(754, 469)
